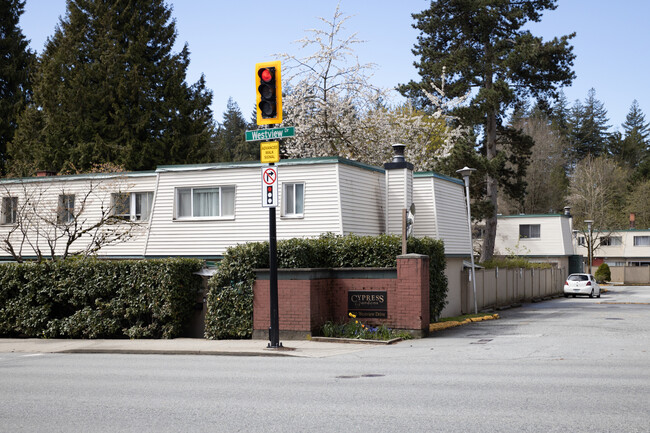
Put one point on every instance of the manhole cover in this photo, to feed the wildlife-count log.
(613, 318)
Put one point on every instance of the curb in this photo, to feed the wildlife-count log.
(439, 326)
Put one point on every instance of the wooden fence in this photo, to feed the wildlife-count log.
(504, 287)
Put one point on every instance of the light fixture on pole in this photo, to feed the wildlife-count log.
(590, 253)
(466, 172)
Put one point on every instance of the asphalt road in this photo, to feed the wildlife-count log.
(566, 365)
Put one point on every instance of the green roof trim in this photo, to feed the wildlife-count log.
(83, 176)
(438, 176)
(555, 215)
(283, 162)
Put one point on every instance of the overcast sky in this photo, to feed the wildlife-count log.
(227, 37)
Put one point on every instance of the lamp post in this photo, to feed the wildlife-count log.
(589, 243)
(466, 172)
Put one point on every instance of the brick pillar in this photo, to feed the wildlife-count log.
(413, 292)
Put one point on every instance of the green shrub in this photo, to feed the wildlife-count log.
(89, 298)
(230, 296)
(603, 274)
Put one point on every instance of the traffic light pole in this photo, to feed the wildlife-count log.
(274, 329)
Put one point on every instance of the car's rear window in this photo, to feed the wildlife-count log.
(578, 278)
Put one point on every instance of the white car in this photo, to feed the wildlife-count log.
(581, 284)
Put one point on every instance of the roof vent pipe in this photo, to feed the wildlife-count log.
(398, 152)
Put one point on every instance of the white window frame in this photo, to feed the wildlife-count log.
(132, 214)
(291, 213)
(9, 210)
(65, 213)
(645, 239)
(611, 241)
(192, 189)
(539, 228)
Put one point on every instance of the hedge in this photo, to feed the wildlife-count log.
(90, 298)
(230, 294)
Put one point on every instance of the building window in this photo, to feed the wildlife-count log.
(529, 231)
(641, 241)
(210, 202)
(9, 210)
(294, 199)
(65, 209)
(134, 206)
(611, 241)
(582, 241)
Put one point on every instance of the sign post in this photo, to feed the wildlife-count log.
(274, 329)
(268, 82)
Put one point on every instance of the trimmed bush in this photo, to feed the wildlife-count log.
(230, 296)
(603, 274)
(89, 298)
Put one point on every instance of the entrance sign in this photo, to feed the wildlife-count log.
(270, 134)
(269, 186)
(367, 304)
(269, 151)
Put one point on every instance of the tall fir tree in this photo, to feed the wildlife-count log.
(589, 129)
(484, 45)
(231, 139)
(16, 60)
(109, 88)
(630, 150)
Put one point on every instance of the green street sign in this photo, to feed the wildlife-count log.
(270, 134)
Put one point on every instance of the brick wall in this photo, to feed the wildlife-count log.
(307, 298)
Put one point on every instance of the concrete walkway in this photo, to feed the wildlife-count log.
(180, 346)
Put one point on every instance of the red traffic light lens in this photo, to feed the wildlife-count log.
(266, 75)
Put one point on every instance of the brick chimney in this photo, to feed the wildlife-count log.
(632, 218)
(44, 173)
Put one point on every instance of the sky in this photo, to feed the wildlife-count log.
(226, 38)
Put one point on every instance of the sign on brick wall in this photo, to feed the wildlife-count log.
(367, 304)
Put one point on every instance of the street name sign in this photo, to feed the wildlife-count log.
(270, 134)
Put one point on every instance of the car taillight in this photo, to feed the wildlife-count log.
(589, 283)
(566, 283)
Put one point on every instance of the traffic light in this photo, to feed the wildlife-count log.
(269, 93)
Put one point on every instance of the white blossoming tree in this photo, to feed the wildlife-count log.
(336, 111)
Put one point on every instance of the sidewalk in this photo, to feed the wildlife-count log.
(180, 346)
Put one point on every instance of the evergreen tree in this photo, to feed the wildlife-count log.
(559, 115)
(589, 134)
(231, 139)
(484, 45)
(631, 149)
(110, 89)
(15, 62)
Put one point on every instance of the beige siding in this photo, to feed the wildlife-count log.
(92, 197)
(425, 209)
(552, 240)
(399, 195)
(251, 221)
(451, 216)
(362, 200)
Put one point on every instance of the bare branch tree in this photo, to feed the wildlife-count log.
(61, 218)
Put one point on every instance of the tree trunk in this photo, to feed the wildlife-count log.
(492, 189)
(487, 250)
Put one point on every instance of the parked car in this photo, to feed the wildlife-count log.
(581, 284)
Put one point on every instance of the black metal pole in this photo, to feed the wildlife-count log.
(274, 330)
